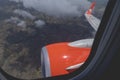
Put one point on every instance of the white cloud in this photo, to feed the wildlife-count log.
(14, 20)
(22, 24)
(16, 0)
(17, 22)
(24, 14)
(58, 7)
(39, 23)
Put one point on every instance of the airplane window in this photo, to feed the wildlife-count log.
(45, 38)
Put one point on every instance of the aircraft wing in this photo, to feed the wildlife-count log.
(94, 22)
(84, 43)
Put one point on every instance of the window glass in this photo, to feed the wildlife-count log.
(35, 29)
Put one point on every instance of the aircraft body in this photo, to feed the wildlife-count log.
(65, 57)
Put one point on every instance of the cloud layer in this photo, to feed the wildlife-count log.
(57, 7)
(24, 13)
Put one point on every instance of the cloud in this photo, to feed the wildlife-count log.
(58, 7)
(24, 13)
(16, 21)
(13, 20)
(39, 23)
(15, 0)
(22, 24)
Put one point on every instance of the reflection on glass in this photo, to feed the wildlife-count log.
(42, 38)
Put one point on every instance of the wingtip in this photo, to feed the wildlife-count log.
(89, 11)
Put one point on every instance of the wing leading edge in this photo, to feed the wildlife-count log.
(94, 22)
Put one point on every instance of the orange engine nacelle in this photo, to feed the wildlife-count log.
(57, 58)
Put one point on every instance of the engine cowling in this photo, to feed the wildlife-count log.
(60, 58)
